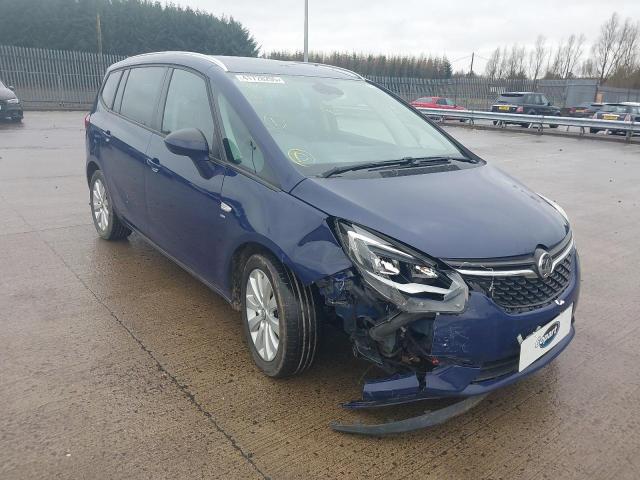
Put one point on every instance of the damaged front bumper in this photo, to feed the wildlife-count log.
(447, 381)
(431, 356)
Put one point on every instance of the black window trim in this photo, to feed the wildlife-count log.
(162, 104)
(120, 92)
(152, 127)
(104, 83)
(238, 168)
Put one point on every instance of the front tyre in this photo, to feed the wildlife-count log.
(279, 317)
(107, 223)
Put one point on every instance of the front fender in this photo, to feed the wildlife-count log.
(295, 232)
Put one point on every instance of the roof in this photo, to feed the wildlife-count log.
(241, 64)
(516, 93)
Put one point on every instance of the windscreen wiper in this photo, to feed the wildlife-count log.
(401, 162)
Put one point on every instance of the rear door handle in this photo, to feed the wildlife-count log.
(154, 163)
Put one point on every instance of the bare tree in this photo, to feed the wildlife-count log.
(554, 65)
(537, 57)
(629, 47)
(516, 62)
(571, 54)
(606, 51)
(491, 70)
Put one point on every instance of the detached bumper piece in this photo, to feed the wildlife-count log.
(428, 419)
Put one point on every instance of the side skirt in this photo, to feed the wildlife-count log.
(210, 285)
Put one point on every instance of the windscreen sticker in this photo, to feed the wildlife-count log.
(259, 78)
(301, 157)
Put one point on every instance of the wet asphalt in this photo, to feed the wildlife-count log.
(115, 363)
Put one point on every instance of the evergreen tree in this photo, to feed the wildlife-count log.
(128, 27)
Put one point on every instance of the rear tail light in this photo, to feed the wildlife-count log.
(87, 119)
(519, 110)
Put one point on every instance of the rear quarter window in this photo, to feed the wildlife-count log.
(141, 93)
(109, 89)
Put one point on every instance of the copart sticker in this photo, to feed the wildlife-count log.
(301, 157)
(259, 78)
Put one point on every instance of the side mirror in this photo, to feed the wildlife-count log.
(12, 88)
(189, 142)
(548, 104)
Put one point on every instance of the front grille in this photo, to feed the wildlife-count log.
(518, 294)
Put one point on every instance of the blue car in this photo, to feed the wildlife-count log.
(307, 195)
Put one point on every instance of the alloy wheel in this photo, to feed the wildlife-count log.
(262, 315)
(100, 205)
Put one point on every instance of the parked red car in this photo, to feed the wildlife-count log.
(436, 102)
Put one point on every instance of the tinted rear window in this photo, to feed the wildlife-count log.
(141, 93)
(109, 89)
(615, 108)
(510, 99)
(425, 100)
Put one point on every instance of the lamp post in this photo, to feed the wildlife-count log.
(306, 31)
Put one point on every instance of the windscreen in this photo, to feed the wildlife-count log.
(2, 84)
(321, 123)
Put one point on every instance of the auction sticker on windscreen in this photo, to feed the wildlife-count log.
(545, 338)
(259, 78)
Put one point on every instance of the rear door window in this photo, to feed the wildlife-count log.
(109, 89)
(187, 105)
(141, 94)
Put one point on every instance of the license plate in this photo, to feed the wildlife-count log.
(581, 110)
(610, 117)
(503, 108)
(545, 338)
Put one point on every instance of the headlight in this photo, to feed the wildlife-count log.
(412, 281)
(556, 206)
(13, 100)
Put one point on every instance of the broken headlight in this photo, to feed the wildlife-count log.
(410, 280)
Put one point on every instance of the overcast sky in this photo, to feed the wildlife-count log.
(451, 27)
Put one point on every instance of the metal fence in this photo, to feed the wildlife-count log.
(67, 79)
(480, 93)
(53, 78)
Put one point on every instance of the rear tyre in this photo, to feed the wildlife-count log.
(106, 221)
(279, 317)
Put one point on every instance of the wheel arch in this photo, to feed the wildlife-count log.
(306, 272)
(92, 167)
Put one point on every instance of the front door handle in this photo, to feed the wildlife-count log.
(154, 163)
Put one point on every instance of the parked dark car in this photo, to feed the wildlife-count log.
(306, 195)
(10, 105)
(619, 112)
(528, 103)
(583, 110)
